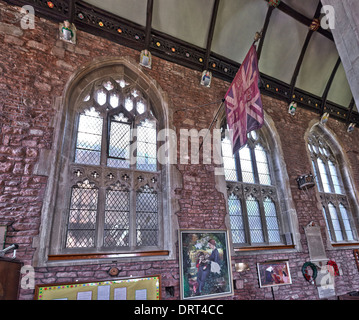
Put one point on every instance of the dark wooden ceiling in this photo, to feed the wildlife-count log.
(289, 50)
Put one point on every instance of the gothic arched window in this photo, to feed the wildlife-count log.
(115, 150)
(335, 202)
(252, 193)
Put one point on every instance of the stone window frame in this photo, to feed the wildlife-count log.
(287, 214)
(52, 164)
(320, 134)
(104, 177)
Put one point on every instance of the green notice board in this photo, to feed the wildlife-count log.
(146, 288)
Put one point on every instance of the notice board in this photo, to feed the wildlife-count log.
(146, 288)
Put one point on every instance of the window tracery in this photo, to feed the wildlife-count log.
(252, 193)
(114, 178)
(331, 188)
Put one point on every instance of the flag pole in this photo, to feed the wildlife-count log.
(257, 36)
(213, 121)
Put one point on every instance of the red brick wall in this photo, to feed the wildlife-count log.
(34, 68)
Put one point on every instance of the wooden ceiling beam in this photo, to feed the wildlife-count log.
(264, 31)
(302, 18)
(149, 15)
(72, 11)
(210, 33)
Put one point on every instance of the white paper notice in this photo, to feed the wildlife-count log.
(103, 292)
(120, 294)
(87, 295)
(141, 294)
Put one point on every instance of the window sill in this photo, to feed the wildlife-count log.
(347, 244)
(263, 248)
(84, 256)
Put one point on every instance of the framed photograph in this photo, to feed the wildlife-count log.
(273, 273)
(2, 236)
(206, 78)
(146, 59)
(67, 32)
(356, 256)
(205, 264)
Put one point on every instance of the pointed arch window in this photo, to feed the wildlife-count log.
(252, 194)
(114, 177)
(335, 202)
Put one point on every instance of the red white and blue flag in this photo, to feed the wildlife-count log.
(243, 101)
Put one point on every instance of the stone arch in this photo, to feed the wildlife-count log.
(288, 213)
(52, 163)
(332, 140)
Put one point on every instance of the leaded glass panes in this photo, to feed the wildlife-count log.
(335, 221)
(324, 176)
(89, 138)
(254, 220)
(262, 166)
(229, 164)
(335, 178)
(271, 220)
(346, 222)
(116, 147)
(236, 219)
(246, 165)
(117, 218)
(82, 216)
(147, 146)
(119, 146)
(316, 176)
(146, 217)
(331, 188)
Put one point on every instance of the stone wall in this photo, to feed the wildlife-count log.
(35, 67)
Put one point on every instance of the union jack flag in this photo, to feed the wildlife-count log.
(243, 101)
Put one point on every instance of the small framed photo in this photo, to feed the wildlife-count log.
(67, 32)
(2, 236)
(146, 59)
(356, 256)
(206, 78)
(205, 264)
(273, 273)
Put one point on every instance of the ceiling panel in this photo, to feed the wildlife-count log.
(340, 92)
(318, 64)
(305, 7)
(236, 25)
(187, 20)
(282, 46)
(133, 10)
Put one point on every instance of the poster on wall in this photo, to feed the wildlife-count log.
(205, 264)
(273, 273)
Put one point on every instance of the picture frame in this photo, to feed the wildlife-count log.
(146, 59)
(274, 273)
(67, 32)
(206, 78)
(132, 288)
(356, 256)
(3, 229)
(205, 264)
